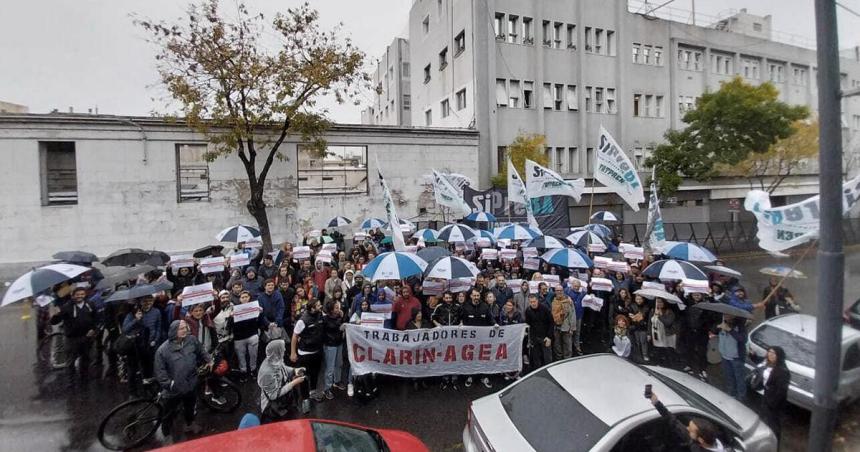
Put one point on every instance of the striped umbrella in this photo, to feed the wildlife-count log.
(432, 253)
(428, 235)
(674, 270)
(516, 232)
(372, 223)
(394, 265)
(456, 233)
(600, 229)
(451, 268)
(688, 252)
(547, 242)
(567, 257)
(603, 216)
(337, 222)
(481, 216)
(238, 233)
(584, 238)
(40, 279)
(487, 235)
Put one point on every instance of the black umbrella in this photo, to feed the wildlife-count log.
(76, 257)
(157, 258)
(432, 253)
(116, 275)
(140, 290)
(208, 250)
(126, 257)
(723, 308)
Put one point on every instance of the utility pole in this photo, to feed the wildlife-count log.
(831, 259)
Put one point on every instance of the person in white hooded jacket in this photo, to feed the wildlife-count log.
(277, 381)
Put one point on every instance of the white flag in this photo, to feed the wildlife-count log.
(654, 233)
(546, 182)
(447, 195)
(780, 228)
(517, 194)
(396, 232)
(613, 169)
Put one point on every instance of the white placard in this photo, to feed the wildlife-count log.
(533, 286)
(372, 320)
(503, 243)
(246, 311)
(314, 233)
(489, 254)
(531, 263)
(619, 267)
(515, 285)
(255, 242)
(553, 281)
(507, 254)
(181, 261)
(324, 258)
(601, 285)
(459, 246)
(460, 284)
(591, 302)
(483, 242)
(239, 260)
(653, 285)
(530, 251)
(301, 252)
(634, 252)
(211, 265)
(359, 236)
(44, 300)
(695, 286)
(602, 262)
(596, 248)
(201, 293)
(383, 309)
(433, 287)
(330, 247)
(622, 247)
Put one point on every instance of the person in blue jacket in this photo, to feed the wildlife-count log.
(576, 294)
(739, 300)
(272, 304)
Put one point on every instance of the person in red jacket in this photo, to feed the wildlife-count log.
(403, 306)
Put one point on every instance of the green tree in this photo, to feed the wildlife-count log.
(526, 146)
(725, 128)
(783, 158)
(247, 83)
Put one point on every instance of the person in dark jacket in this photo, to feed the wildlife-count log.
(267, 268)
(306, 348)
(694, 335)
(539, 319)
(776, 377)
(447, 313)
(80, 323)
(246, 339)
(176, 363)
(273, 306)
(183, 277)
(252, 282)
(640, 313)
(477, 313)
(333, 321)
(502, 292)
(699, 435)
(144, 325)
(511, 316)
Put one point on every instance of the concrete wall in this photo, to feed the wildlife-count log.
(127, 189)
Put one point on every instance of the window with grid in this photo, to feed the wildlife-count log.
(571, 36)
(513, 26)
(337, 170)
(598, 100)
(610, 101)
(192, 173)
(547, 96)
(573, 160)
(560, 161)
(528, 33)
(558, 97)
(59, 174)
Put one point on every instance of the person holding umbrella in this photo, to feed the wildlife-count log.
(80, 323)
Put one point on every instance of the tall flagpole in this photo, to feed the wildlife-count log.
(591, 201)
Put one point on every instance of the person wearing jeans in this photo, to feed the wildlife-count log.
(306, 348)
(333, 327)
(732, 344)
(576, 294)
(246, 339)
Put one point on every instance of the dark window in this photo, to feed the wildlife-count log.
(797, 349)
(443, 59)
(852, 357)
(339, 170)
(192, 173)
(426, 73)
(460, 43)
(335, 437)
(59, 173)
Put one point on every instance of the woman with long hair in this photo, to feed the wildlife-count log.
(775, 376)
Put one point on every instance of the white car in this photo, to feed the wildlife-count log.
(597, 403)
(795, 333)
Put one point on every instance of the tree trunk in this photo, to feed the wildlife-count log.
(257, 209)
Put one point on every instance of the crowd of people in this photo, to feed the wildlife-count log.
(295, 348)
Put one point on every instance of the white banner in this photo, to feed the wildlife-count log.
(531, 263)
(433, 287)
(489, 254)
(515, 285)
(554, 281)
(546, 182)
(601, 262)
(483, 242)
(330, 247)
(447, 350)
(613, 169)
(507, 254)
(181, 261)
(323, 257)
(530, 251)
(460, 284)
(388, 202)
(695, 286)
(602, 284)
(301, 252)
(448, 196)
(211, 265)
(239, 260)
(654, 233)
(246, 311)
(635, 253)
(591, 302)
(200, 293)
(372, 320)
(653, 285)
(780, 228)
(517, 193)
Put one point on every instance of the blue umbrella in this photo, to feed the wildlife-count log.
(372, 223)
(604, 216)
(457, 233)
(673, 270)
(584, 238)
(547, 242)
(482, 216)
(394, 265)
(428, 235)
(600, 229)
(451, 268)
(688, 252)
(516, 232)
(487, 235)
(337, 222)
(568, 258)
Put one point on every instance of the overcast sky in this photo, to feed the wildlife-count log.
(87, 53)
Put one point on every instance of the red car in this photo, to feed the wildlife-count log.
(305, 435)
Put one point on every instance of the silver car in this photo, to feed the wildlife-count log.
(795, 333)
(597, 403)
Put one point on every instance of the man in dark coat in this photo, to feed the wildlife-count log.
(80, 323)
(539, 320)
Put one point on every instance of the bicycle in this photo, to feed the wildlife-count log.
(132, 423)
(52, 351)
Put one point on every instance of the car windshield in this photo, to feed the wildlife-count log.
(538, 405)
(693, 399)
(797, 349)
(340, 438)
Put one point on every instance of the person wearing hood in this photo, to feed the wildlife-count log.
(351, 285)
(252, 282)
(276, 381)
(306, 347)
(183, 277)
(267, 268)
(331, 283)
(365, 295)
(176, 363)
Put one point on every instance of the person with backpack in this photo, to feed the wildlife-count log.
(306, 348)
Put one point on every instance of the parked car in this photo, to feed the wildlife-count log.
(305, 435)
(851, 315)
(596, 403)
(796, 334)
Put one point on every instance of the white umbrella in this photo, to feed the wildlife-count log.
(394, 265)
(41, 279)
(517, 232)
(657, 293)
(457, 233)
(451, 268)
(674, 270)
(238, 233)
(723, 270)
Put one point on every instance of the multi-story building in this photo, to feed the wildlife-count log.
(391, 100)
(564, 68)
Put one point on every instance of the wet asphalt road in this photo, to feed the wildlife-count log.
(45, 411)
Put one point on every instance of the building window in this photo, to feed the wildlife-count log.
(428, 117)
(461, 99)
(59, 173)
(638, 156)
(589, 160)
(646, 54)
(528, 94)
(427, 74)
(610, 101)
(589, 39)
(636, 53)
(425, 25)
(546, 33)
(443, 59)
(339, 170)
(572, 99)
(573, 160)
(777, 72)
(658, 56)
(192, 173)
(499, 26)
(547, 96)
(405, 70)
(637, 105)
(514, 94)
(649, 99)
(799, 76)
(751, 67)
(598, 100)
(598, 40)
(556, 35)
(407, 101)
(571, 37)
(610, 42)
(689, 59)
(528, 33)
(588, 99)
(460, 43)
(560, 161)
(658, 108)
(558, 97)
(501, 93)
(513, 24)
(756, 26)
(446, 108)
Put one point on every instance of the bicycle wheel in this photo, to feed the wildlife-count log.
(52, 351)
(225, 397)
(130, 424)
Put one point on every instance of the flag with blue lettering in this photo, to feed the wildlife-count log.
(613, 169)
